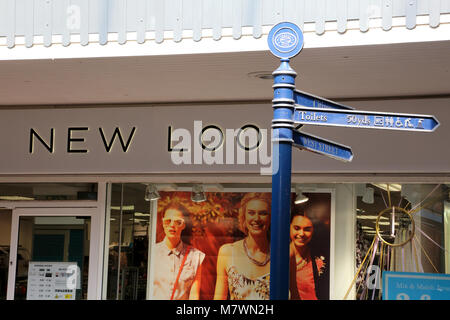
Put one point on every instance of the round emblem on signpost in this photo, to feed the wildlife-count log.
(285, 40)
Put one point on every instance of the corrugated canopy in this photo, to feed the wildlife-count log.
(66, 21)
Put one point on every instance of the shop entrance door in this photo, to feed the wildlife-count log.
(50, 253)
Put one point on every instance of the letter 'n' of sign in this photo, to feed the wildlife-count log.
(50, 147)
(109, 146)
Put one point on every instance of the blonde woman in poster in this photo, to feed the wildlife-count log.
(305, 266)
(178, 264)
(243, 268)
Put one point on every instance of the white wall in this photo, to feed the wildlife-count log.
(344, 242)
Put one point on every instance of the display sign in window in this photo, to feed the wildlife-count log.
(53, 280)
(415, 286)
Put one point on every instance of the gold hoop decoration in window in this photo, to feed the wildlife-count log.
(400, 210)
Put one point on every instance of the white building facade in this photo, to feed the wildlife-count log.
(101, 99)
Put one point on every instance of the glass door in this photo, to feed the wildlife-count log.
(50, 253)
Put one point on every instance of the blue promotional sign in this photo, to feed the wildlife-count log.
(415, 286)
(365, 119)
(322, 146)
(308, 100)
(285, 40)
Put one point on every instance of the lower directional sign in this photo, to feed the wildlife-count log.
(322, 146)
(365, 119)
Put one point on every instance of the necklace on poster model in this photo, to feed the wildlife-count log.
(258, 263)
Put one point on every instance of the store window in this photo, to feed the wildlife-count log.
(129, 234)
(212, 242)
(400, 228)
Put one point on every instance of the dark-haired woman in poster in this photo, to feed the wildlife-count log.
(307, 267)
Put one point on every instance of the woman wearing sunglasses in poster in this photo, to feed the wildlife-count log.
(243, 268)
(182, 260)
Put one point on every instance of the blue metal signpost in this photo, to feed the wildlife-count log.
(285, 41)
(292, 109)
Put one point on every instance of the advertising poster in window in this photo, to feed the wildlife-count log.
(310, 248)
(220, 248)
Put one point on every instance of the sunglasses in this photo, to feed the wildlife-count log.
(178, 222)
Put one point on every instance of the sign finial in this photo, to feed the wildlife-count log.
(285, 40)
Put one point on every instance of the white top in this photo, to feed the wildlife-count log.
(167, 265)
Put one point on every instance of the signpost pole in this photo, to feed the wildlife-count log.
(285, 41)
(282, 125)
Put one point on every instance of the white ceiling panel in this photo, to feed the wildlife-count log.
(409, 69)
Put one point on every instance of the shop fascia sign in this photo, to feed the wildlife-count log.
(75, 139)
(209, 138)
(201, 144)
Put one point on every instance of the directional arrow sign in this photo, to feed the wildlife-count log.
(365, 119)
(322, 146)
(311, 101)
